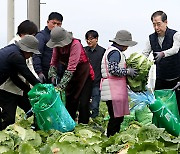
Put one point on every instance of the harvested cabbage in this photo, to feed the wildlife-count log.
(143, 65)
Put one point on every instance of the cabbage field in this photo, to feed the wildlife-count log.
(136, 137)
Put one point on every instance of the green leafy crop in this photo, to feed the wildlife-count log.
(143, 65)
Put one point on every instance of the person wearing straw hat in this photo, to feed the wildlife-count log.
(13, 62)
(78, 76)
(113, 82)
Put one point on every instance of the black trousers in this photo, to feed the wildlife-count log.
(80, 104)
(163, 84)
(114, 123)
(9, 103)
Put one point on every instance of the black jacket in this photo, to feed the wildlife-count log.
(95, 58)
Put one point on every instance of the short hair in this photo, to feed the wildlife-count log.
(92, 33)
(159, 13)
(55, 16)
(27, 27)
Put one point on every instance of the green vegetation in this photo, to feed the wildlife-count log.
(143, 65)
(19, 138)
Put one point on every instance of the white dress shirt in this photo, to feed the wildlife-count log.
(169, 52)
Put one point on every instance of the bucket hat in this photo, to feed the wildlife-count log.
(59, 38)
(29, 44)
(123, 37)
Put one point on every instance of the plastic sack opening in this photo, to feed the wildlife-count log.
(162, 104)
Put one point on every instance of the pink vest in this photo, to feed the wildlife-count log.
(113, 87)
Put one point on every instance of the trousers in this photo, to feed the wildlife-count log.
(9, 103)
(114, 123)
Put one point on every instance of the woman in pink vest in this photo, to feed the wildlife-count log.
(113, 83)
(78, 76)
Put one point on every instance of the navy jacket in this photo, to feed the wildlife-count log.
(13, 62)
(41, 62)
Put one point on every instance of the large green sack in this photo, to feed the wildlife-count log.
(49, 110)
(165, 112)
(168, 98)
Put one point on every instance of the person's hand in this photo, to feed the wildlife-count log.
(42, 78)
(54, 81)
(177, 86)
(158, 56)
(132, 72)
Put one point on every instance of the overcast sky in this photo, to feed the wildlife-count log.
(104, 16)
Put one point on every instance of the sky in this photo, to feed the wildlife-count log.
(105, 16)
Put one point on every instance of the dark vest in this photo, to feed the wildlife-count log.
(168, 67)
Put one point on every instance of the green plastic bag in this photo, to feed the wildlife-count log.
(144, 115)
(49, 110)
(168, 98)
(63, 96)
(165, 112)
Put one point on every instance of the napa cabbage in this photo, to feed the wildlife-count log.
(143, 65)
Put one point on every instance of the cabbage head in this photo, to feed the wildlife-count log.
(143, 65)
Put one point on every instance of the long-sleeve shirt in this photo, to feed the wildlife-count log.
(70, 55)
(114, 59)
(174, 50)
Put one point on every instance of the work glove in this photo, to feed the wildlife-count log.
(42, 78)
(52, 72)
(54, 81)
(132, 72)
(65, 80)
(158, 56)
(177, 86)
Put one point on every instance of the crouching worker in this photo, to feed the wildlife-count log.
(113, 83)
(78, 76)
(13, 62)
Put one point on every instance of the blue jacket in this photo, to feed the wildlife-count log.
(41, 62)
